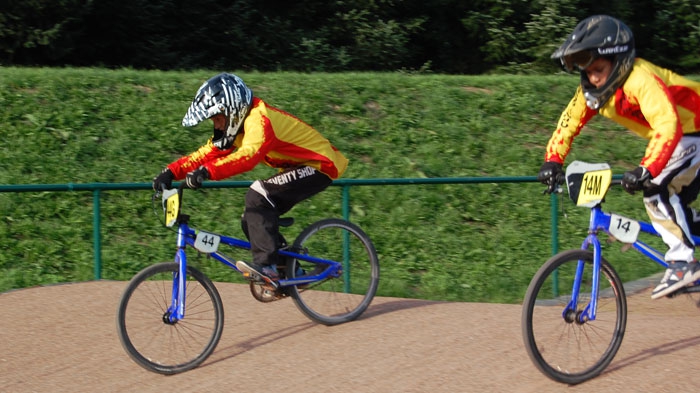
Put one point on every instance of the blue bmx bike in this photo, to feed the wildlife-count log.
(575, 312)
(170, 316)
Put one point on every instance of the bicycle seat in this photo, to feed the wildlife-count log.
(286, 221)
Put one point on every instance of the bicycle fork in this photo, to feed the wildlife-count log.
(588, 313)
(176, 311)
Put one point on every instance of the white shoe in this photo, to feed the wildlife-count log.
(678, 275)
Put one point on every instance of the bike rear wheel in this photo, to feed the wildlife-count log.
(337, 299)
(558, 343)
(147, 334)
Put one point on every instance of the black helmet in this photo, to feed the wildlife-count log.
(223, 93)
(594, 37)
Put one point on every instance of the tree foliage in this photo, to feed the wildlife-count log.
(679, 45)
(446, 36)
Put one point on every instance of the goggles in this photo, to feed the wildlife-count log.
(579, 60)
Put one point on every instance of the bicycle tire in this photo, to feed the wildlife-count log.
(339, 299)
(169, 348)
(564, 350)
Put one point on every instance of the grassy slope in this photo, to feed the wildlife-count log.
(451, 242)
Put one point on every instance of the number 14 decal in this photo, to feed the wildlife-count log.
(624, 229)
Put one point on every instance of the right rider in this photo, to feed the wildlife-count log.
(656, 104)
(248, 131)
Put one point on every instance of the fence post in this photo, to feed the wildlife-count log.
(555, 239)
(555, 223)
(96, 238)
(346, 240)
(346, 202)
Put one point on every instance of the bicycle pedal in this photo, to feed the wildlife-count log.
(254, 278)
(258, 279)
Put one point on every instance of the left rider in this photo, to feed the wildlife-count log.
(654, 103)
(248, 131)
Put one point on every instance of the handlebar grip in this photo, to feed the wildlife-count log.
(555, 186)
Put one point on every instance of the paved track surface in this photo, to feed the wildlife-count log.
(63, 338)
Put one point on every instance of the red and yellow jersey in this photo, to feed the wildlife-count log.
(654, 103)
(270, 136)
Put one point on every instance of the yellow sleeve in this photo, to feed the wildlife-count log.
(572, 119)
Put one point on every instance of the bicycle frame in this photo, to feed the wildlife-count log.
(186, 236)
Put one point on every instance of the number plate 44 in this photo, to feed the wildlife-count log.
(207, 242)
(624, 229)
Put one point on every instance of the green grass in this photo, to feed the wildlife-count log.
(462, 242)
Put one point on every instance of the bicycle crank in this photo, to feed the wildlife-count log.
(266, 293)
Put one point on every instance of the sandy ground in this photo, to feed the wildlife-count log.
(63, 338)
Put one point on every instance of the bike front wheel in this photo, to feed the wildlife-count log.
(342, 298)
(560, 341)
(148, 334)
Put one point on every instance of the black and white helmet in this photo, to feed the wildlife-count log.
(594, 37)
(223, 93)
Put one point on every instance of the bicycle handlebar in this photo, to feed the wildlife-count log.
(555, 186)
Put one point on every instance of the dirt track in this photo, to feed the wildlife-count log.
(63, 339)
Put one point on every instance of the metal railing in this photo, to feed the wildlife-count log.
(346, 184)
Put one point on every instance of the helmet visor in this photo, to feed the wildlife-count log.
(199, 111)
(579, 60)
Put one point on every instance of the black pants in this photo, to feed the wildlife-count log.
(267, 200)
